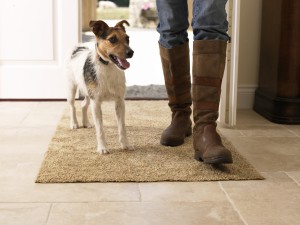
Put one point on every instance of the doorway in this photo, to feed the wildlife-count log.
(145, 78)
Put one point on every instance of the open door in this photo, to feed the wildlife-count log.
(34, 41)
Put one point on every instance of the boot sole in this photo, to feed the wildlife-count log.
(174, 143)
(213, 160)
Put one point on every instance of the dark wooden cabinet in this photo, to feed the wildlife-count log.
(277, 97)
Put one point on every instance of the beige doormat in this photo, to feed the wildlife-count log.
(72, 155)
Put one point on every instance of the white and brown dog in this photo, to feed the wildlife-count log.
(99, 75)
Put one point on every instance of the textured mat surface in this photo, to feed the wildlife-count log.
(72, 155)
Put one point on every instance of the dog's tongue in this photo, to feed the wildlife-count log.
(124, 63)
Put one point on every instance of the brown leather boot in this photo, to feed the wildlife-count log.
(208, 67)
(176, 69)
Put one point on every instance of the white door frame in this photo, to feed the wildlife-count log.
(234, 62)
(228, 105)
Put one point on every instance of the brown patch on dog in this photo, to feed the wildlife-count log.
(98, 27)
(120, 24)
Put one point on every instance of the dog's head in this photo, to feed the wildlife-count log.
(113, 42)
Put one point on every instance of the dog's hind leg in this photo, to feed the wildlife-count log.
(120, 115)
(97, 116)
(85, 120)
(71, 101)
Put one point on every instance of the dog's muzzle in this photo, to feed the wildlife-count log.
(129, 53)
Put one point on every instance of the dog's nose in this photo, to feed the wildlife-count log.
(129, 53)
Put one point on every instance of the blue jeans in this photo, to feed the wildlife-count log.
(209, 21)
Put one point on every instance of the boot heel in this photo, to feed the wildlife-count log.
(189, 132)
(197, 156)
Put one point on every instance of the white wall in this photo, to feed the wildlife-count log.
(249, 51)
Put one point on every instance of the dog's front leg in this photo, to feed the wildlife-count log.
(71, 101)
(120, 114)
(85, 120)
(97, 116)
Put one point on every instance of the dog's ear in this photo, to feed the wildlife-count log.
(99, 27)
(120, 24)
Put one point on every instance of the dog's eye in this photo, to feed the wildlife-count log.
(113, 40)
(127, 40)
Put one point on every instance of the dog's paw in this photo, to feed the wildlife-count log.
(74, 126)
(103, 151)
(127, 147)
(88, 125)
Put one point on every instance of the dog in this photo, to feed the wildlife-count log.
(99, 75)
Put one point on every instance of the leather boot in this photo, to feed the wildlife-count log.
(176, 69)
(208, 67)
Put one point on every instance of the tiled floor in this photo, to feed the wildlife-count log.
(26, 129)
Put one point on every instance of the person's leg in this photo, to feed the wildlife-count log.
(210, 20)
(172, 22)
(174, 52)
(209, 55)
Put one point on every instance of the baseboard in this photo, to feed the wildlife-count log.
(245, 96)
(277, 109)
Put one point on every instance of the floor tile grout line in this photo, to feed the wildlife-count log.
(289, 130)
(87, 202)
(27, 115)
(266, 136)
(49, 212)
(257, 125)
(293, 179)
(72, 202)
(140, 192)
(243, 135)
(232, 204)
(292, 131)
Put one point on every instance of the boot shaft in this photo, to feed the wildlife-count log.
(176, 70)
(209, 58)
